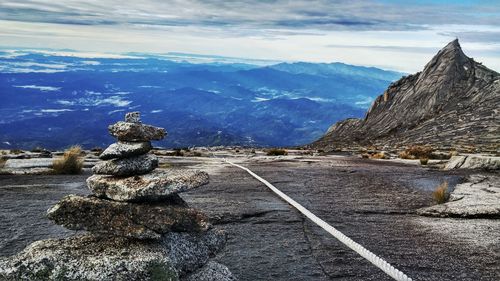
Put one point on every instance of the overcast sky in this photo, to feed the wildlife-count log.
(399, 35)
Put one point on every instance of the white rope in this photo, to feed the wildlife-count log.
(371, 257)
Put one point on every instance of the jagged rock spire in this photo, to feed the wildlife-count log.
(449, 59)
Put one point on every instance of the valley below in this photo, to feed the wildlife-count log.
(374, 202)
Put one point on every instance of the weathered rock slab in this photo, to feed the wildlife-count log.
(473, 162)
(156, 185)
(125, 149)
(128, 131)
(142, 221)
(477, 198)
(136, 165)
(90, 257)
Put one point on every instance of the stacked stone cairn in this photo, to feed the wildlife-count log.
(139, 227)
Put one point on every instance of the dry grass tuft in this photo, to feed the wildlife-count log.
(276, 152)
(416, 152)
(2, 162)
(70, 163)
(441, 194)
(424, 161)
(378, 155)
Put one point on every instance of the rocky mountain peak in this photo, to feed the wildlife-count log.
(449, 61)
(453, 101)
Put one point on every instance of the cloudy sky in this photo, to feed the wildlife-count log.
(400, 35)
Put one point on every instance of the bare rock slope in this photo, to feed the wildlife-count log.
(454, 101)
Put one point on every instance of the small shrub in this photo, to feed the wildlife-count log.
(405, 155)
(416, 152)
(378, 155)
(365, 155)
(196, 154)
(276, 152)
(178, 152)
(424, 161)
(2, 162)
(16, 151)
(441, 194)
(70, 163)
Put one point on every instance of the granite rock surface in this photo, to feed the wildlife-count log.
(89, 257)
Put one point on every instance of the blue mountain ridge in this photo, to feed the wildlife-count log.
(55, 100)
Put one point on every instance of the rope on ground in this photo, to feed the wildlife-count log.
(371, 257)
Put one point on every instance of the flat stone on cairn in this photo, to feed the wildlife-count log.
(135, 165)
(125, 149)
(153, 186)
(143, 221)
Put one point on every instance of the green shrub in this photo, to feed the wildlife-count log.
(70, 163)
(441, 194)
(16, 151)
(424, 161)
(276, 152)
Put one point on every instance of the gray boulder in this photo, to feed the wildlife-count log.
(136, 165)
(477, 198)
(125, 150)
(141, 221)
(473, 162)
(89, 257)
(128, 131)
(156, 185)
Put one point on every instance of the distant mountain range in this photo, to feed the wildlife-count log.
(55, 99)
(453, 103)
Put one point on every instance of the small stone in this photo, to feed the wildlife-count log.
(153, 186)
(141, 221)
(125, 149)
(212, 271)
(136, 132)
(136, 165)
(133, 117)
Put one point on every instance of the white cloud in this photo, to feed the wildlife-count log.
(41, 88)
(317, 31)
